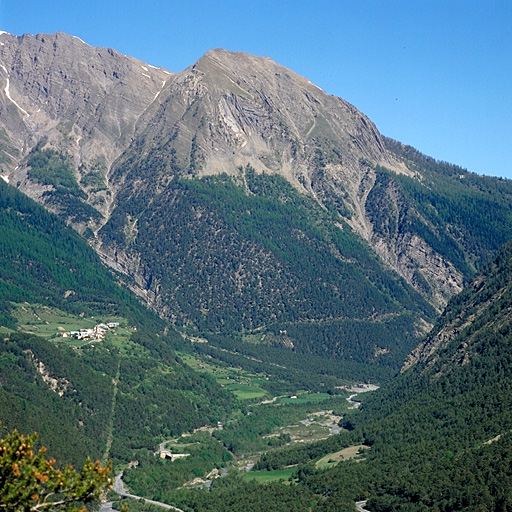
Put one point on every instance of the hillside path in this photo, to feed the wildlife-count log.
(110, 429)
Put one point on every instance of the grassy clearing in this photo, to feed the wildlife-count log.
(332, 459)
(263, 477)
(52, 323)
(244, 392)
(244, 385)
(48, 322)
(254, 338)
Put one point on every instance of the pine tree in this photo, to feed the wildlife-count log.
(31, 482)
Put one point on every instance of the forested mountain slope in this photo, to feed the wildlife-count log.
(102, 398)
(438, 437)
(441, 433)
(270, 260)
(468, 214)
(41, 260)
(237, 197)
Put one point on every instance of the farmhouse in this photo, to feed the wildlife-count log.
(166, 454)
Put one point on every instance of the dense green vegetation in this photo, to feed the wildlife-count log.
(155, 477)
(259, 428)
(54, 168)
(440, 433)
(469, 217)
(72, 421)
(70, 400)
(105, 398)
(286, 369)
(239, 495)
(265, 257)
(136, 505)
(42, 260)
(158, 398)
(438, 436)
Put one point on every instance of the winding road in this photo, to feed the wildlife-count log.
(120, 489)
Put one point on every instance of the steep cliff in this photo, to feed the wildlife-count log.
(60, 94)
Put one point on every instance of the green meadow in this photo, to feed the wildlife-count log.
(264, 477)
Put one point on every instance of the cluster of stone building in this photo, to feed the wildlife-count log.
(96, 333)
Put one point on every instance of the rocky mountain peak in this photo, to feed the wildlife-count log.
(230, 109)
(85, 130)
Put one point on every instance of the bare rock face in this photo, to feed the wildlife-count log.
(233, 109)
(390, 216)
(63, 94)
(272, 118)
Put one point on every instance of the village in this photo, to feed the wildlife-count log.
(97, 333)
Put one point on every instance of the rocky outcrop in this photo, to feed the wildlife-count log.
(63, 94)
(478, 316)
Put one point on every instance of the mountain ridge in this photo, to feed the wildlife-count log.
(482, 305)
(74, 98)
(116, 159)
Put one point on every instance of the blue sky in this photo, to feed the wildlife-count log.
(435, 74)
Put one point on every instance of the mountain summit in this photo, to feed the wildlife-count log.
(60, 94)
(230, 109)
